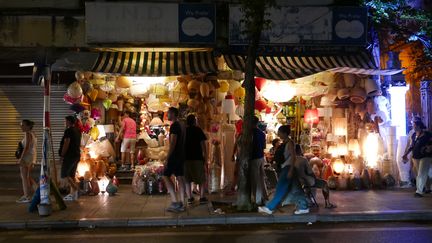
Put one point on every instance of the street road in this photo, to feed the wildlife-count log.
(377, 232)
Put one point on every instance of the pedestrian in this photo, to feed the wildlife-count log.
(407, 156)
(70, 153)
(128, 133)
(308, 179)
(422, 151)
(257, 162)
(27, 159)
(286, 153)
(196, 155)
(175, 162)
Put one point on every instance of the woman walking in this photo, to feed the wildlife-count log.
(286, 156)
(27, 159)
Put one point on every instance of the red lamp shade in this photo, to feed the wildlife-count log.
(311, 116)
(260, 83)
(260, 105)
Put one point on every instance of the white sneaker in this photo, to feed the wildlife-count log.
(265, 210)
(301, 211)
(23, 199)
(69, 197)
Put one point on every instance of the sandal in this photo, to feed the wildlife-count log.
(330, 206)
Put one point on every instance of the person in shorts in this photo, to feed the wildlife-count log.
(27, 159)
(196, 154)
(70, 153)
(175, 162)
(128, 132)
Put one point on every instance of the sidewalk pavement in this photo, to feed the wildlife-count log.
(127, 209)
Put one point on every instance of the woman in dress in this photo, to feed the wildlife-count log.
(27, 159)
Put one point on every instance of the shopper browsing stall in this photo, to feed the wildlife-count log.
(175, 162)
(128, 133)
(196, 154)
(70, 156)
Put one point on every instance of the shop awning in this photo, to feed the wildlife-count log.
(292, 67)
(155, 63)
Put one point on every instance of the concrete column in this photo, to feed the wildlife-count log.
(426, 102)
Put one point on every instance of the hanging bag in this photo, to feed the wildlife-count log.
(19, 150)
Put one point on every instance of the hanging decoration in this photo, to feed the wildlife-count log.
(74, 90)
(278, 91)
(260, 83)
(224, 86)
(311, 116)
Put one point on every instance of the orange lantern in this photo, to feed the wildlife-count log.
(311, 116)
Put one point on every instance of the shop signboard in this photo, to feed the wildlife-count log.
(197, 23)
(305, 26)
(161, 23)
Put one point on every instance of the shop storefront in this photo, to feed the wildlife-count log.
(327, 95)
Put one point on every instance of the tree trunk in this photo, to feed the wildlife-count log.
(244, 188)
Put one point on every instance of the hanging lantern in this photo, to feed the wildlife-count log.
(87, 87)
(79, 75)
(333, 151)
(278, 91)
(194, 86)
(228, 105)
(340, 126)
(354, 146)
(107, 87)
(240, 92)
(74, 90)
(233, 85)
(107, 103)
(69, 100)
(93, 94)
(123, 82)
(94, 133)
(311, 116)
(240, 110)
(95, 113)
(224, 86)
(260, 83)
(260, 105)
(342, 149)
(370, 149)
(338, 166)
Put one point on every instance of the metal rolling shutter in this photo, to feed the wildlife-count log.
(19, 102)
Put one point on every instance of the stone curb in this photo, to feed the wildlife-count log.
(236, 219)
